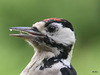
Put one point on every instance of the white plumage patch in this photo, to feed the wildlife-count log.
(39, 25)
(63, 35)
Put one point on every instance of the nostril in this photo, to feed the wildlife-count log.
(35, 29)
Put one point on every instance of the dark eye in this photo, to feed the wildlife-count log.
(51, 28)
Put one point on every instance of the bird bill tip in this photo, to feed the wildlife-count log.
(10, 29)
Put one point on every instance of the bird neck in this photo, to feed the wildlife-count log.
(46, 57)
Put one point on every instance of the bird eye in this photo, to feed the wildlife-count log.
(51, 28)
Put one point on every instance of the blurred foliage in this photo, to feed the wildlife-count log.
(83, 14)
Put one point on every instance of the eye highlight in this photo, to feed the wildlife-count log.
(51, 28)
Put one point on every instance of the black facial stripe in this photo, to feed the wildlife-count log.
(65, 49)
(65, 23)
(47, 63)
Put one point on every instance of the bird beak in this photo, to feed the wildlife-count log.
(30, 32)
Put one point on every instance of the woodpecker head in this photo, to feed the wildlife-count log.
(52, 35)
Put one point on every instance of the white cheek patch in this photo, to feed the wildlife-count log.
(39, 25)
(65, 36)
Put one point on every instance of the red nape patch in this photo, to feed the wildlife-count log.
(55, 19)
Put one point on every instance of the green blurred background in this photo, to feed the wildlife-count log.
(15, 53)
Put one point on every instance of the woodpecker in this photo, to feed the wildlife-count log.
(53, 40)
